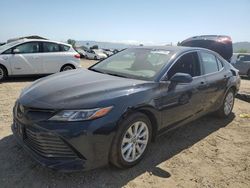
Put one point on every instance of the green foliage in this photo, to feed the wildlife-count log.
(72, 42)
(242, 51)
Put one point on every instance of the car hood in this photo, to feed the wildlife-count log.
(77, 89)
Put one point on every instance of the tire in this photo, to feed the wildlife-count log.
(226, 108)
(141, 141)
(67, 67)
(95, 58)
(3, 73)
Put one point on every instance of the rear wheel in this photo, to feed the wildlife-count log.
(131, 141)
(95, 58)
(67, 67)
(3, 73)
(227, 106)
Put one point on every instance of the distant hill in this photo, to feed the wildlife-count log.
(108, 45)
(241, 45)
(112, 45)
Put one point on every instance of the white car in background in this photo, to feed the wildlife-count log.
(36, 57)
(95, 54)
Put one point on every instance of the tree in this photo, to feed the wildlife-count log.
(242, 50)
(72, 42)
(94, 47)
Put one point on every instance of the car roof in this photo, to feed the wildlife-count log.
(174, 49)
(39, 40)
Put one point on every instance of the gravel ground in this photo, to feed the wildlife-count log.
(208, 152)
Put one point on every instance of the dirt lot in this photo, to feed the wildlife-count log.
(209, 152)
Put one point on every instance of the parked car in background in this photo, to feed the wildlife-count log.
(110, 113)
(36, 57)
(81, 52)
(108, 52)
(221, 44)
(241, 61)
(95, 54)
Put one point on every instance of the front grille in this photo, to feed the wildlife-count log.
(47, 145)
(33, 113)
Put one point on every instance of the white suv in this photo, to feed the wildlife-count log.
(33, 56)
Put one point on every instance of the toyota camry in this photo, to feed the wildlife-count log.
(109, 113)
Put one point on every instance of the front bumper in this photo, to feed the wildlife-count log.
(65, 147)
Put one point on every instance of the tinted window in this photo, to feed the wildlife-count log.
(188, 63)
(31, 47)
(209, 62)
(220, 64)
(50, 47)
(8, 51)
(64, 48)
(244, 57)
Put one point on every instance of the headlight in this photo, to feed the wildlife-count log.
(80, 115)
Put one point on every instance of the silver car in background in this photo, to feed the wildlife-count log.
(241, 61)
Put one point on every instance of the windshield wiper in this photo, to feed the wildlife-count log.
(112, 74)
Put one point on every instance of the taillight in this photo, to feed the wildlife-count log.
(224, 39)
(77, 56)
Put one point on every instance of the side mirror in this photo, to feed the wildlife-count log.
(16, 51)
(181, 78)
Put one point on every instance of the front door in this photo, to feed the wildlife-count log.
(25, 59)
(184, 100)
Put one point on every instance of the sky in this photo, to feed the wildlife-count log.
(130, 21)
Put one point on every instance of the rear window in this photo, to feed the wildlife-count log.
(209, 62)
(220, 64)
(51, 47)
(64, 48)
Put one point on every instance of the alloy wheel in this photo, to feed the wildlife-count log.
(134, 141)
(228, 104)
(66, 68)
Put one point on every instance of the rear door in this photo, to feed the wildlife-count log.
(28, 60)
(216, 78)
(54, 56)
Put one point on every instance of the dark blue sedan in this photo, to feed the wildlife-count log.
(83, 119)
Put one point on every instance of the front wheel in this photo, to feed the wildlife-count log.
(3, 73)
(227, 106)
(131, 141)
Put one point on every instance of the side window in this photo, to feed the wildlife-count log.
(188, 63)
(50, 47)
(220, 64)
(9, 51)
(31, 47)
(245, 58)
(64, 48)
(209, 62)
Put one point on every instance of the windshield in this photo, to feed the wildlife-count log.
(135, 63)
(9, 45)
